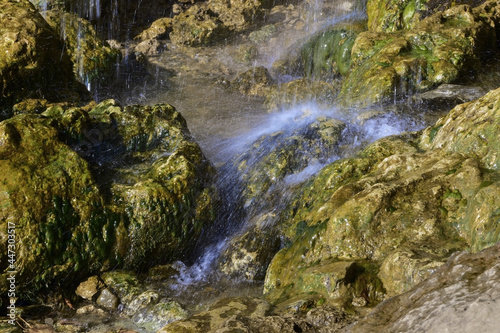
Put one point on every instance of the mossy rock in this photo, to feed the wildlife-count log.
(397, 205)
(109, 187)
(325, 55)
(212, 21)
(254, 82)
(94, 60)
(394, 15)
(439, 49)
(33, 63)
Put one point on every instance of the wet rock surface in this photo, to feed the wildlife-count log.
(461, 295)
(98, 185)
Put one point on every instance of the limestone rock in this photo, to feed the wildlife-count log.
(109, 187)
(405, 202)
(446, 96)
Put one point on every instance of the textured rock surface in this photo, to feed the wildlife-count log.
(460, 296)
(32, 61)
(437, 50)
(396, 205)
(93, 59)
(93, 189)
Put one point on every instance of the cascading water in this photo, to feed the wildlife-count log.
(236, 130)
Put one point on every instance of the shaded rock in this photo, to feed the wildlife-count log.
(90, 288)
(149, 47)
(158, 315)
(460, 296)
(32, 61)
(93, 59)
(91, 309)
(446, 96)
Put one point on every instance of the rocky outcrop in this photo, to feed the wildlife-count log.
(90, 189)
(403, 205)
(33, 63)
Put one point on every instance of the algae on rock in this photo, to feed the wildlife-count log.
(109, 187)
(407, 201)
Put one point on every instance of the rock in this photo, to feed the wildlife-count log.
(32, 61)
(149, 47)
(123, 284)
(300, 91)
(407, 202)
(205, 23)
(158, 30)
(460, 296)
(108, 300)
(90, 288)
(437, 50)
(472, 129)
(254, 82)
(159, 315)
(98, 185)
(94, 60)
(91, 309)
(390, 16)
(446, 96)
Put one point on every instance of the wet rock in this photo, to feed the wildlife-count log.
(249, 254)
(460, 296)
(437, 50)
(390, 16)
(254, 82)
(30, 106)
(33, 63)
(149, 47)
(205, 23)
(158, 30)
(263, 34)
(300, 91)
(405, 202)
(471, 128)
(98, 185)
(107, 300)
(158, 315)
(446, 96)
(94, 60)
(90, 288)
(91, 309)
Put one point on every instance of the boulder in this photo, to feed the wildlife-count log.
(109, 187)
(33, 63)
(94, 61)
(404, 205)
